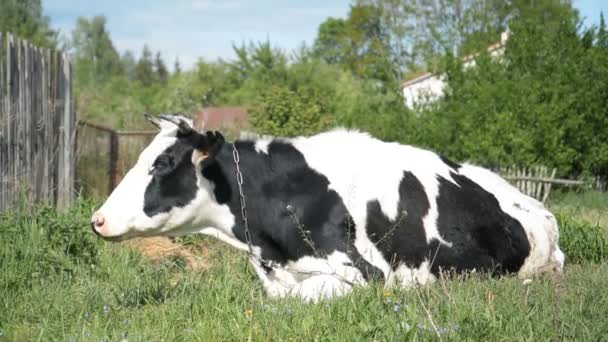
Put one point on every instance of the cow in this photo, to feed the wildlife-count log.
(320, 215)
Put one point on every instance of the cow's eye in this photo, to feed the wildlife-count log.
(160, 165)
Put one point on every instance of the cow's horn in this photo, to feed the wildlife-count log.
(152, 120)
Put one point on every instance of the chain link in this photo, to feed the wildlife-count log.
(239, 181)
(258, 259)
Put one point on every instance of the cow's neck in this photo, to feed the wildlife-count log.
(224, 219)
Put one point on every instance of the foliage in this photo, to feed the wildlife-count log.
(24, 18)
(144, 70)
(581, 241)
(280, 111)
(96, 59)
(360, 44)
(542, 103)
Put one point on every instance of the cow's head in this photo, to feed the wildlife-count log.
(165, 193)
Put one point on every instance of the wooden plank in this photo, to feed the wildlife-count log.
(547, 180)
(113, 172)
(27, 115)
(3, 125)
(546, 195)
(9, 116)
(66, 173)
(46, 182)
(20, 119)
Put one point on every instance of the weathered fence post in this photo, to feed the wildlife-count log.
(113, 172)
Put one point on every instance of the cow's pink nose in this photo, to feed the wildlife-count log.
(97, 222)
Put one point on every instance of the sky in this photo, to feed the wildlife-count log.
(191, 29)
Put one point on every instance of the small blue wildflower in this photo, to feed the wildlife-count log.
(127, 322)
(397, 307)
(448, 328)
(87, 315)
(406, 326)
(106, 309)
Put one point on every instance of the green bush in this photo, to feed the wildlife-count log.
(581, 241)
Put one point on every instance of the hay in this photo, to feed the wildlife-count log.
(159, 248)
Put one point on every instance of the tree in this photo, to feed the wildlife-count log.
(545, 102)
(160, 69)
(360, 44)
(177, 68)
(331, 44)
(25, 19)
(96, 59)
(128, 62)
(602, 33)
(282, 112)
(144, 70)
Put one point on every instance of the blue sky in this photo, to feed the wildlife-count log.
(189, 29)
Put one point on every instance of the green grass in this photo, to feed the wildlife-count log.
(587, 206)
(59, 282)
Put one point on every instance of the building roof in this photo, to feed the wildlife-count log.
(491, 48)
(214, 118)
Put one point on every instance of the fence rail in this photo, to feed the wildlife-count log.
(535, 181)
(37, 125)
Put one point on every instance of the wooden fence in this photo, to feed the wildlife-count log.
(37, 125)
(535, 181)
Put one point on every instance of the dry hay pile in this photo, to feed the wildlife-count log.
(159, 248)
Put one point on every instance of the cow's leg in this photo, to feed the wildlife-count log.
(324, 278)
(404, 276)
(275, 287)
(321, 287)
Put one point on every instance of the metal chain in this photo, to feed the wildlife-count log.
(239, 181)
(259, 259)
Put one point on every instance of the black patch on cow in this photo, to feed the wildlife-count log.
(291, 210)
(221, 188)
(173, 181)
(402, 240)
(454, 165)
(483, 236)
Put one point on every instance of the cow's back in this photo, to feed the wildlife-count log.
(412, 207)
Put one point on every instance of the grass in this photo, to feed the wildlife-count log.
(587, 206)
(59, 282)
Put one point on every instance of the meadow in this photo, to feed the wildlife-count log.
(59, 282)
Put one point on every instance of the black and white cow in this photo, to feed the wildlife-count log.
(331, 211)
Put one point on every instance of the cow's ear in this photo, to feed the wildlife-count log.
(206, 145)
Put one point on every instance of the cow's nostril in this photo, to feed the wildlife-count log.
(99, 221)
